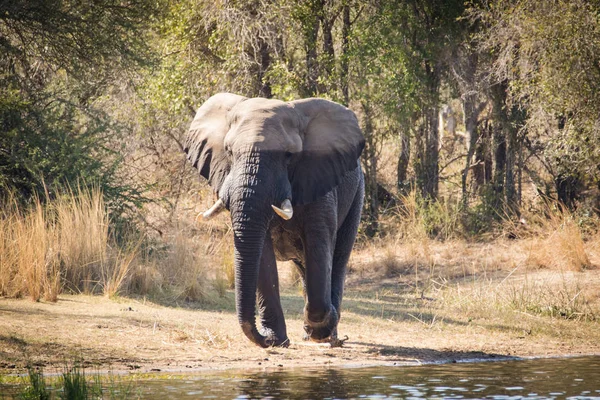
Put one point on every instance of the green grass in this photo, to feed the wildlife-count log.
(36, 387)
(74, 383)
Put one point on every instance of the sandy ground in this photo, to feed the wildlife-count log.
(386, 320)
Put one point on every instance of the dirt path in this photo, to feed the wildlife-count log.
(384, 326)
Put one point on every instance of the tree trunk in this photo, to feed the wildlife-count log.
(511, 161)
(499, 165)
(507, 146)
(369, 158)
(471, 118)
(328, 56)
(427, 155)
(482, 171)
(430, 189)
(311, 33)
(264, 89)
(427, 139)
(345, 55)
(403, 162)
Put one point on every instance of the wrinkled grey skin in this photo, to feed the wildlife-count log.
(256, 153)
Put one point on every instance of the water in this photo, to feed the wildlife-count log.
(574, 378)
(571, 378)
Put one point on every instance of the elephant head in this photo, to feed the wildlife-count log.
(263, 157)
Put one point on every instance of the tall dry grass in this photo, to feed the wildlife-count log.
(554, 237)
(28, 264)
(183, 270)
(83, 239)
(409, 232)
(415, 218)
(64, 244)
(423, 247)
(67, 245)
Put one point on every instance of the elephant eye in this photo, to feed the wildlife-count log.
(288, 155)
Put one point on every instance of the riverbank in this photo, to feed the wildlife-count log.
(469, 301)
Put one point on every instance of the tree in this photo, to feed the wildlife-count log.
(58, 58)
(546, 58)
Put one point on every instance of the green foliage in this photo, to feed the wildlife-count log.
(549, 53)
(101, 93)
(485, 214)
(86, 39)
(74, 384)
(60, 57)
(45, 149)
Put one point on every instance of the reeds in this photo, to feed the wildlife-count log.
(75, 383)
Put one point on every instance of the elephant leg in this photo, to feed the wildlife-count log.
(343, 247)
(302, 271)
(268, 300)
(320, 317)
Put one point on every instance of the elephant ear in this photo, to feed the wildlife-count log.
(332, 144)
(204, 144)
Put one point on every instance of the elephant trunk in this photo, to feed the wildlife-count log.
(250, 224)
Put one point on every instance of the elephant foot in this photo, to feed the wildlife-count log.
(323, 331)
(274, 340)
(334, 341)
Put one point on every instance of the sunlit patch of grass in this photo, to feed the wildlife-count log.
(564, 299)
(115, 277)
(554, 236)
(66, 245)
(554, 295)
(83, 238)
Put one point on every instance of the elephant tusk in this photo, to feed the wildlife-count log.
(286, 211)
(214, 210)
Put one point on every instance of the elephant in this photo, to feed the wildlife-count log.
(289, 173)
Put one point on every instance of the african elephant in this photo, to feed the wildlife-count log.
(298, 160)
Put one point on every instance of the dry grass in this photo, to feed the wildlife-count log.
(83, 239)
(28, 264)
(184, 270)
(227, 263)
(512, 294)
(67, 245)
(554, 237)
(483, 315)
(541, 273)
(63, 245)
(116, 275)
(416, 219)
